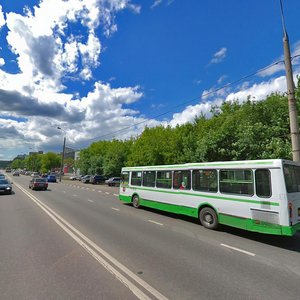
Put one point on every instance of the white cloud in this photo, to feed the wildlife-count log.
(159, 2)
(260, 91)
(189, 114)
(2, 19)
(2, 62)
(156, 3)
(219, 56)
(46, 55)
(222, 78)
(256, 92)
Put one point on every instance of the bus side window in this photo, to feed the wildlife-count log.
(238, 181)
(149, 178)
(136, 178)
(205, 180)
(182, 180)
(263, 183)
(164, 179)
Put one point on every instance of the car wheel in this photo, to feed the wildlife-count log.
(136, 201)
(208, 218)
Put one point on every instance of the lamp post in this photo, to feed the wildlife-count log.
(63, 153)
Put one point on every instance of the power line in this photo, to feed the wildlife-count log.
(194, 99)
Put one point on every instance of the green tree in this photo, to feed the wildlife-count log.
(49, 161)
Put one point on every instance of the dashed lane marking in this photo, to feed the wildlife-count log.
(154, 222)
(239, 250)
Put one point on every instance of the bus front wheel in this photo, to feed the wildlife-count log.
(136, 201)
(208, 218)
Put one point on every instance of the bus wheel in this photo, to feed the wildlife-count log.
(136, 201)
(208, 218)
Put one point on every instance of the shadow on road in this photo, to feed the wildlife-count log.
(284, 242)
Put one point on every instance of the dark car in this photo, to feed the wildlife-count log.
(38, 184)
(51, 178)
(113, 181)
(5, 186)
(16, 173)
(86, 179)
(97, 179)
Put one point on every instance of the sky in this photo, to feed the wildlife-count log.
(105, 69)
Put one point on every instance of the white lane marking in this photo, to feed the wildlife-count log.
(239, 250)
(154, 222)
(109, 262)
(117, 209)
(107, 193)
(90, 200)
(93, 190)
(99, 191)
(75, 195)
(116, 195)
(82, 187)
(64, 192)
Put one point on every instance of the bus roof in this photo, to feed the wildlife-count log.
(265, 163)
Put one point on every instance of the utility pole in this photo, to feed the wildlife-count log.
(294, 126)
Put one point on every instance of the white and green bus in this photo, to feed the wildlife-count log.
(257, 195)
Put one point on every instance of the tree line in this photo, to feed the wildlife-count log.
(43, 163)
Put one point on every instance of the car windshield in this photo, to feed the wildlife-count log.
(40, 180)
(3, 181)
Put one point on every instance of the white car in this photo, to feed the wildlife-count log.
(35, 174)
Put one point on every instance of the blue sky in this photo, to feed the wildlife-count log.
(93, 67)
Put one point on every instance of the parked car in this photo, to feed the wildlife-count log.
(113, 181)
(2, 176)
(16, 173)
(95, 179)
(35, 174)
(51, 178)
(86, 179)
(80, 177)
(5, 186)
(38, 184)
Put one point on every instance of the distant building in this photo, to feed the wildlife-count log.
(36, 152)
(4, 163)
(69, 153)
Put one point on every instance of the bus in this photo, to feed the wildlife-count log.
(256, 195)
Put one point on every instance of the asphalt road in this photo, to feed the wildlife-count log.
(77, 241)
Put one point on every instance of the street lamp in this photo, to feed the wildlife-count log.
(63, 153)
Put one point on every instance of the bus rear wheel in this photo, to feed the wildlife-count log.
(136, 201)
(208, 218)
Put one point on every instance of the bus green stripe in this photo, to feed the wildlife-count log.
(208, 196)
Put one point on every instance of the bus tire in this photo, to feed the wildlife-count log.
(208, 218)
(136, 201)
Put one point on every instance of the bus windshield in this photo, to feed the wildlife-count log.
(292, 178)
